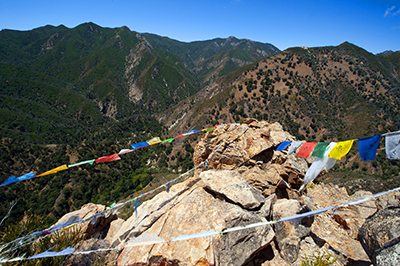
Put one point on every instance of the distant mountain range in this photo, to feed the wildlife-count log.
(89, 73)
(77, 94)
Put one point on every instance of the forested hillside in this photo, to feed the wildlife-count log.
(318, 94)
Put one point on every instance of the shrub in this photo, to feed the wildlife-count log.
(321, 259)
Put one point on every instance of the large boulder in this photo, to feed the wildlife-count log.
(380, 234)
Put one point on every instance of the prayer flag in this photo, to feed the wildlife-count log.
(14, 179)
(367, 147)
(55, 170)
(194, 131)
(180, 136)
(320, 149)
(306, 149)
(392, 145)
(153, 141)
(10, 180)
(317, 166)
(140, 145)
(168, 140)
(47, 253)
(283, 145)
(207, 129)
(341, 149)
(80, 163)
(123, 151)
(109, 158)
(293, 147)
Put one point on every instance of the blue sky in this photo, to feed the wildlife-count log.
(371, 24)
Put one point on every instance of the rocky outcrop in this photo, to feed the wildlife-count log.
(247, 181)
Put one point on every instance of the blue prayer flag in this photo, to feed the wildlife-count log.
(14, 179)
(283, 145)
(140, 145)
(367, 147)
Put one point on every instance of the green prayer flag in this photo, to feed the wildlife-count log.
(319, 149)
(168, 140)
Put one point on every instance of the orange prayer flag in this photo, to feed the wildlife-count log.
(55, 170)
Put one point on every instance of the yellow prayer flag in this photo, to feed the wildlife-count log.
(341, 149)
(154, 140)
(55, 170)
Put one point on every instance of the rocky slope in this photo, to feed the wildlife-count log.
(247, 181)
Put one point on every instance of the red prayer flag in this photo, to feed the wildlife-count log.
(306, 149)
(109, 158)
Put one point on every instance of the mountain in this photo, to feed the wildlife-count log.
(90, 73)
(214, 58)
(318, 94)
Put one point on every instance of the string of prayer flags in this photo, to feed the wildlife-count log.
(319, 149)
(80, 163)
(139, 145)
(55, 170)
(154, 140)
(14, 179)
(367, 147)
(109, 158)
(392, 145)
(295, 145)
(341, 149)
(306, 149)
(319, 164)
(283, 145)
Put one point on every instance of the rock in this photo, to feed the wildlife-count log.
(288, 233)
(265, 181)
(389, 254)
(250, 141)
(328, 230)
(231, 186)
(340, 233)
(191, 209)
(379, 229)
(388, 200)
(266, 209)
(97, 227)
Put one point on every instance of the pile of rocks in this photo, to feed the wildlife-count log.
(246, 181)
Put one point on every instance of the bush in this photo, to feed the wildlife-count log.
(321, 259)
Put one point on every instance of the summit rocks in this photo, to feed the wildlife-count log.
(244, 180)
